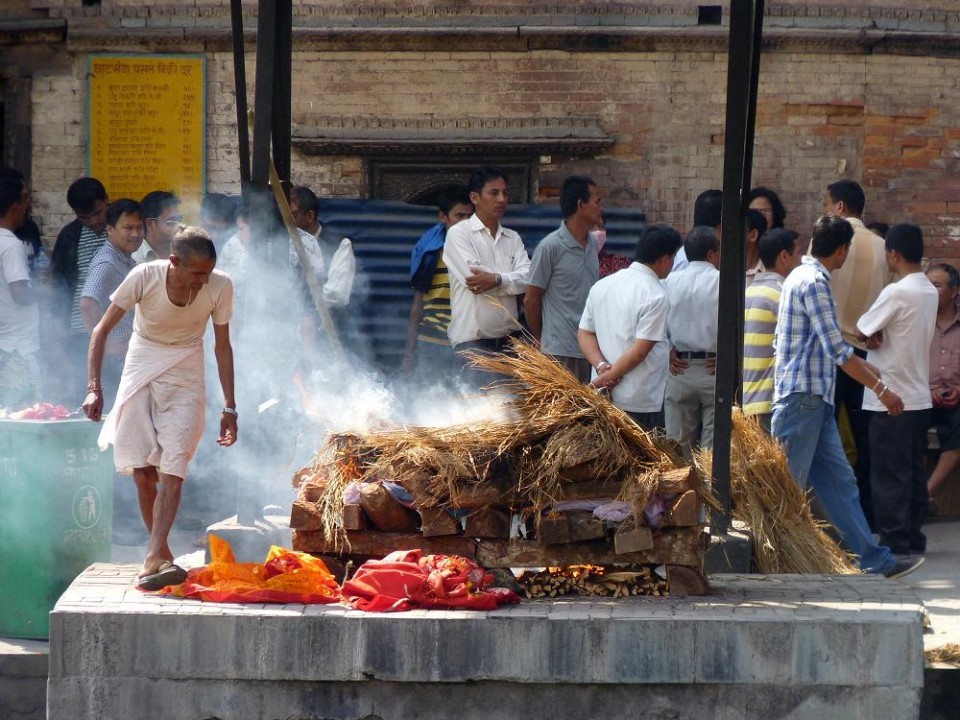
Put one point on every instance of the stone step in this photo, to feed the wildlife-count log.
(760, 647)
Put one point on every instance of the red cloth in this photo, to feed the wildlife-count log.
(407, 579)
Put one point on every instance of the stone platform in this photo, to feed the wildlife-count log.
(761, 647)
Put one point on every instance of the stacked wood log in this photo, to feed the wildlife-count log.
(496, 492)
(592, 581)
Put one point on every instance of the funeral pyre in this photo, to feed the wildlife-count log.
(568, 479)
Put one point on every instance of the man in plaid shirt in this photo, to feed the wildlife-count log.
(808, 348)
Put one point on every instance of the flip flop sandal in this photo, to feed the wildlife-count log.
(167, 574)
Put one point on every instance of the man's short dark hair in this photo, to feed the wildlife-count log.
(699, 242)
(451, 196)
(953, 277)
(124, 206)
(84, 193)
(880, 228)
(191, 241)
(306, 198)
(217, 206)
(779, 211)
(754, 220)
(708, 208)
(906, 239)
(481, 176)
(850, 194)
(655, 242)
(830, 233)
(574, 189)
(11, 173)
(154, 203)
(773, 242)
(11, 191)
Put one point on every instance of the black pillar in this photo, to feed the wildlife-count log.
(743, 71)
(240, 92)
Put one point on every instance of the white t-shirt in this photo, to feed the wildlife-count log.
(158, 319)
(622, 308)
(19, 324)
(906, 312)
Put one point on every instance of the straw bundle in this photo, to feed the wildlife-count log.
(765, 496)
(949, 653)
(558, 424)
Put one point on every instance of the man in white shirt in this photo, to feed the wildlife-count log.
(898, 329)
(19, 316)
(335, 268)
(623, 331)
(694, 294)
(488, 268)
(161, 218)
(157, 421)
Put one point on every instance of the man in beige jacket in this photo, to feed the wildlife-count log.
(855, 287)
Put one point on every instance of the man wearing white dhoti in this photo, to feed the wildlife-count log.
(157, 420)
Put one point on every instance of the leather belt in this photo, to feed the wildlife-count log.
(695, 354)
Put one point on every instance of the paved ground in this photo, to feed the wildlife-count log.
(937, 582)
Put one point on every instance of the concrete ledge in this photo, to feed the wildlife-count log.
(23, 679)
(763, 647)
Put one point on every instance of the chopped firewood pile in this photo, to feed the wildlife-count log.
(566, 479)
(592, 581)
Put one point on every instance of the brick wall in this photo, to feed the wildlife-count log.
(891, 122)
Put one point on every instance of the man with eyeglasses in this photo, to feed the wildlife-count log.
(161, 218)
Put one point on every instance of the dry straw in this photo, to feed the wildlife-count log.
(788, 539)
(948, 654)
(557, 423)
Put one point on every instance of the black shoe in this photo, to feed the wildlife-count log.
(904, 567)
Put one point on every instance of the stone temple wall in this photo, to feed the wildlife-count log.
(834, 101)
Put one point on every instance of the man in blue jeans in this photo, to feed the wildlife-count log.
(808, 348)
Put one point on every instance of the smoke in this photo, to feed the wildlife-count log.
(292, 393)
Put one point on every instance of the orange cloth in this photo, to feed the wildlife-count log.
(285, 576)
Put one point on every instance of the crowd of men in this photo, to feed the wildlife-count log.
(646, 332)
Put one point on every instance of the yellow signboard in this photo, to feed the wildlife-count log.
(147, 125)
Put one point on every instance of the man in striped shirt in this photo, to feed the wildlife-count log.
(809, 347)
(107, 270)
(428, 348)
(780, 253)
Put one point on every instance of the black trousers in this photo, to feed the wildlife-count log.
(899, 479)
(649, 421)
(849, 395)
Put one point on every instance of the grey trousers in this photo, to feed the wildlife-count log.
(688, 407)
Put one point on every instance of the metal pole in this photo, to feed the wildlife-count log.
(240, 91)
(743, 71)
(282, 90)
(263, 102)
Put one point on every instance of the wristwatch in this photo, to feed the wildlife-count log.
(230, 411)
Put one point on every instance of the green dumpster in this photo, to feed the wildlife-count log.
(56, 505)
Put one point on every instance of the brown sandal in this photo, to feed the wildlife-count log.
(167, 574)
